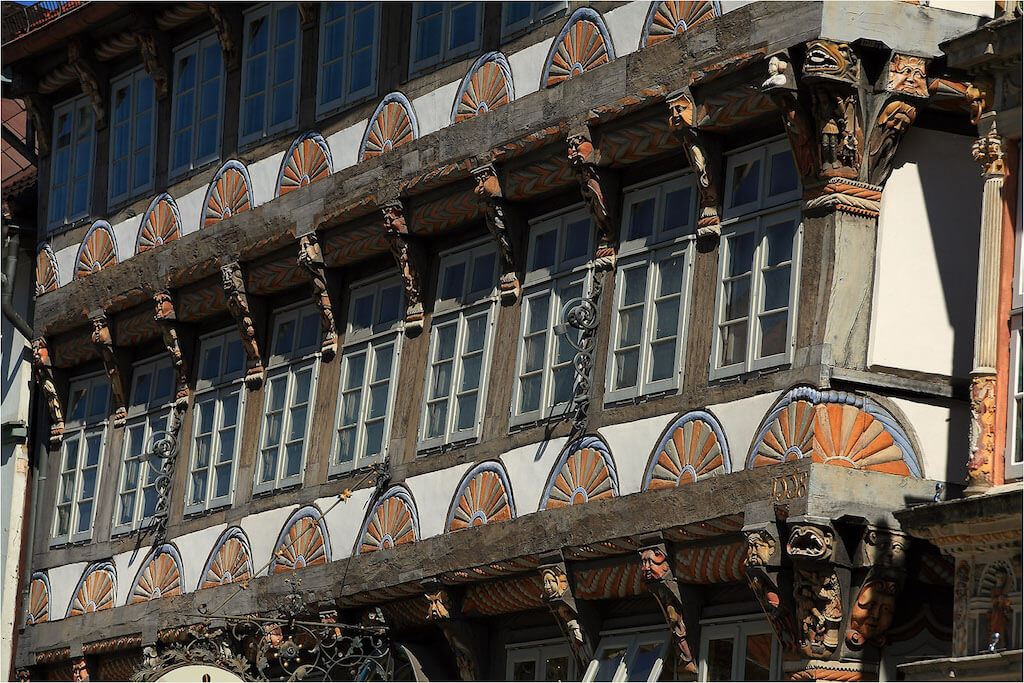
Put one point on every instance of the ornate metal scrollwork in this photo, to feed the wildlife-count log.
(161, 456)
(581, 314)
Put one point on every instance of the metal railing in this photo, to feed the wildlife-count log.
(20, 19)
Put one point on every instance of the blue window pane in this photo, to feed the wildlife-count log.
(253, 115)
(390, 302)
(429, 8)
(428, 38)
(284, 64)
(122, 105)
(516, 12)
(182, 145)
(80, 196)
(186, 73)
(209, 99)
(256, 75)
(144, 94)
(142, 167)
(330, 85)
(207, 144)
(257, 36)
(186, 104)
(283, 100)
(121, 143)
(58, 201)
(334, 40)
(211, 61)
(144, 130)
(287, 24)
(362, 33)
(362, 312)
(464, 26)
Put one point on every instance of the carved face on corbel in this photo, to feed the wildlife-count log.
(581, 149)
(760, 548)
(164, 306)
(681, 112)
(309, 251)
(79, 670)
(831, 60)
(907, 75)
(556, 583)
(487, 185)
(437, 605)
(811, 542)
(40, 353)
(884, 548)
(394, 218)
(653, 564)
(101, 331)
(872, 612)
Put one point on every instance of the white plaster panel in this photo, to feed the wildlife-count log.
(631, 444)
(344, 521)
(195, 549)
(63, 581)
(190, 208)
(344, 145)
(984, 8)
(263, 174)
(433, 493)
(434, 110)
(730, 5)
(625, 23)
(528, 470)
(527, 65)
(926, 259)
(263, 529)
(125, 234)
(127, 566)
(740, 420)
(66, 264)
(937, 427)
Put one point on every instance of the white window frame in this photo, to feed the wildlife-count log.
(538, 652)
(550, 281)
(152, 419)
(367, 340)
(269, 12)
(347, 97)
(446, 54)
(468, 305)
(287, 367)
(764, 152)
(196, 49)
(132, 80)
(536, 15)
(73, 107)
(1013, 458)
(225, 385)
(738, 630)
(78, 430)
(631, 640)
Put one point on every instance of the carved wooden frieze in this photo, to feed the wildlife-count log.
(562, 603)
(311, 259)
(167, 319)
(42, 370)
(817, 590)
(441, 610)
(103, 341)
(85, 72)
(656, 573)
(238, 304)
(396, 231)
(682, 121)
(489, 194)
(598, 194)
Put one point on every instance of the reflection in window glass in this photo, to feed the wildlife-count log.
(719, 659)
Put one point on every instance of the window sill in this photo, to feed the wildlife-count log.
(446, 447)
(68, 227)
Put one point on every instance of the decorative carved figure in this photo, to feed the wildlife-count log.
(907, 75)
(311, 259)
(79, 670)
(562, 603)
(681, 120)
(440, 608)
(983, 429)
(223, 30)
(781, 87)
(839, 132)
(779, 73)
(397, 233)
(882, 547)
(961, 594)
(34, 105)
(657, 575)
(833, 61)
(23, 675)
(438, 605)
(776, 608)
(1000, 614)
(810, 542)
(891, 125)
(489, 194)
(583, 161)
(555, 582)
(307, 12)
(105, 343)
(988, 151)
(760, 548)
(238, 305)
(86, 74)
(146, 40)
(979, 94)
(653, 564)
(42, 368)
(819, 609)
(871, 613)
(166, 318)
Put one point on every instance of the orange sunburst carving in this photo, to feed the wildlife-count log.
(38, 599)
(47, 278)
(483, 498)
(230, 193)
(393, 124)
(160, 225)
(693, 448)
(98, 250)
(161, 577)
(585, 473)
(393, 522)
(230, 562)
(308, 160)
(582, 45)
(95, 591)
(667, 19)
(488, 85)
(303, 543)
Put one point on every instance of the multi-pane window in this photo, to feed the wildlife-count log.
(348, 52)
(81, 449)
(549, 661)
(629, 656)
(558, 271)
(444, 31)
(71, 161)
(151, 400)
(369, 363)
(516, 16)
(132, 133)
(757, 278)
(270, 70)
(195, 126)
(1014, 457)
(289, 394)
(216, 422)
(740, 651)
(460, 346)
(651, 289)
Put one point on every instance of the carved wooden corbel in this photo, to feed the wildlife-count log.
(704, 163)
(560, 600)
(598, 193)
(832, 73)
(153, 57)
(407, 259)
(103, 340)
(884, 553)
(42, 369)
(39, 111)
(489, 194)
(225, 34)
(817, 588)
(442, 610)
(781, 87)
(238, 305)
(80, 670)
(656, 572)
(23, 675)
(85, 71)
(762, 566)
(980, 95)
(311, 259)
(167, 318)
(907, 83)
(988, 151)
(307, 12)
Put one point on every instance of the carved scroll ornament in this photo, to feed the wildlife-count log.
(42, 369)
(238, 305)
(167, 319)
(397, 233)
(489, 194)
(656, 572)
(104, 342)
(311, 259)
(681, 121)
(583, 162)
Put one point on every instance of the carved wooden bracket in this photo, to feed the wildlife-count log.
(442, 611)
(408, 261)
(831, 71)
(768, 583)
(489, 194)
(39, 111)
(311, 259)
(238, 305)
(154, 57)
(42, 369)
(656, 572)
(307, 12)
(166, 317)
(988, 151)
(105, 343)
(890, 125)
(79, 670)
(599, 193)
(85, 70)
(884, 553)
(703, 161)
(577, 630)
(813, 548)
(23, 675)
(225, 34)
(781, 87)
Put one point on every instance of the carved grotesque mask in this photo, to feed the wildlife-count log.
(810, 542)
(437, 607)
(872, 613)
(907, 75)
(834, 60)
(580, 149)
(555, 583)
(653, 564)
(760, 548)
(681, 112)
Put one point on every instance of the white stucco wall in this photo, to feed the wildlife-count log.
(941, 432)
(740, 420)
(631, 444)
(626, 24)
(922, 315)
(190, 208)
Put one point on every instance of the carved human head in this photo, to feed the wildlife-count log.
(580, 148)
(907, 75)
(760, 548)
(653, 564)
(555, 582)
(872, 613)
(437, 605)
